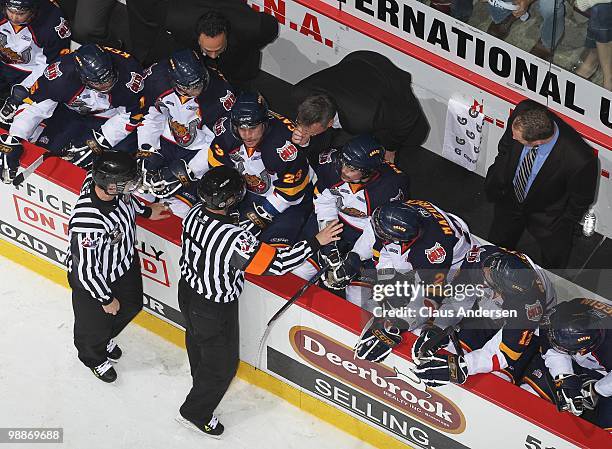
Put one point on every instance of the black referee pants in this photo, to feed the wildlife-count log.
(93, 327)
(212, 340)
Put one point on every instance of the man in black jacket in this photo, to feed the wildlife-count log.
(362, 94)
(543, 179)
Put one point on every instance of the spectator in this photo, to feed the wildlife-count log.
(92, 19)
(598, 44)
(543, 179)
(362, 94)
(551, 30)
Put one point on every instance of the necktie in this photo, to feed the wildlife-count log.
(524, 171)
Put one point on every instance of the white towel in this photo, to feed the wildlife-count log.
(463, 134)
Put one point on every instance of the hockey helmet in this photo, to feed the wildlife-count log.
(362, 153)
(116, 173)
(574, 327)
(397, 222)
(508, 274)
(95, 67)
(221, 188)
(188, 73)
(249, 110)
(22, 7)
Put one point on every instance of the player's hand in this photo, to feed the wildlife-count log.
(160, 211)
(590, 397)
(442, 369)
(113, 307)
(569, 396)
(299, 137)
(330, 233)
(338, 277)
(421, 350)
(377, 340)
(390, 156)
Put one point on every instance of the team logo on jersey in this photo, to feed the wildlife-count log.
(326, 157)
(228, 100)
(534, 311)
(473, 254)
(184, 135)
(63, 30)
(247, 243)
(115, 236)
(90, 243)
(135, 84)
(53, 71)
(10, 56)
(287, 152)
(352, 212)
(436, 254)
(258, 184)
(219, 126)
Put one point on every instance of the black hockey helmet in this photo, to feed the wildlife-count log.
(95, 67)
(116, 173)
(249, 110)
(397, 222)
(363, 153)
(575, 327)
(22, 7)
(508, 274)
(221, 188)
(188, 73)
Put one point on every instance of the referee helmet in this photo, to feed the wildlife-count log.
(221, 188)
(116, 173)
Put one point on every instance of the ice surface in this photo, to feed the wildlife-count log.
(43, 384)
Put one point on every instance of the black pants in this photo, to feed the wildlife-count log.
(555, 244)
(93, 327)
(212, 341)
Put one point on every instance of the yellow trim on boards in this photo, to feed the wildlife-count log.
(246, 372)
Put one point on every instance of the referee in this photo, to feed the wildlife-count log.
(103, 270)
(215, 255)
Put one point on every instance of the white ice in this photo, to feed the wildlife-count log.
(43, 384)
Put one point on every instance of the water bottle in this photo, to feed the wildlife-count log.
(588, 224)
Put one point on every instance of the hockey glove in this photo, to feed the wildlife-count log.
(82, 152)
(166, 181)
(568, 394)
(442, 369)
(341, 275)
(429, 342)
(8, 109)
(11, 150)
(590, 397)
(331, 255)
(377, 340)
(259, 216)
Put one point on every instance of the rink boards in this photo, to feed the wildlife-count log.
(307, 357)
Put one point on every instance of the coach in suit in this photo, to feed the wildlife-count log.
(543, 179)
(362, 94)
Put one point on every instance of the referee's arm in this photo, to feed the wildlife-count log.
(86, 256)
(255, 257)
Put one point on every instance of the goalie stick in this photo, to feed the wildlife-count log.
(280, 311)
(32, 168)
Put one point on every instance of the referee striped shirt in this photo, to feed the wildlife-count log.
(102, 236)
(216, 253)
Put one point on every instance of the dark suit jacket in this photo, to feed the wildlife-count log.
(372, 96)
(564, 187)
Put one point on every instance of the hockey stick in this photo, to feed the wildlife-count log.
(280, 311)
(32, 168)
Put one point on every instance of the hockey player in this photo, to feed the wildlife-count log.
(351, 183)
(184, 101)
(514, 293)
(258, 144)
(33, 33)
(575, 369)
(413, 238)
(90, 101)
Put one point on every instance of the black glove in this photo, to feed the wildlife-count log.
(429, 342)
(11, 150)
(590, 397)
(568, 394)
(82, 152)
(442, 369)
(258, 216)
(340, 276)
(165, 182)
(8, 109)
(377, 340)
(331, 255)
